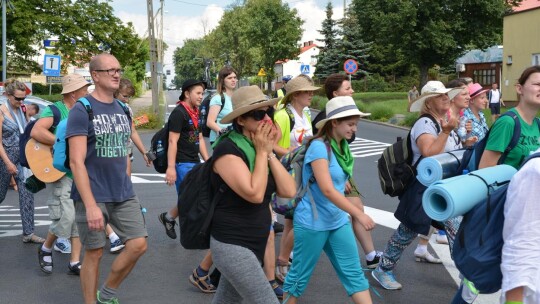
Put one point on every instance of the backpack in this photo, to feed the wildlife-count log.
(478, 244)
(159, 144)
(61, 145)
(395, 166)
(25, 137)
(293, 162)
(471, 157)
(204, 108)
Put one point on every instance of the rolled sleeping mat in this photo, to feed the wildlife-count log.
(455, 196)
(440, 166)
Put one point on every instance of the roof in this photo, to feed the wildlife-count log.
(491, 54)
(302, 50)
(526, 5)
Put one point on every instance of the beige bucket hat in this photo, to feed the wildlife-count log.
(73, 82)
(246, 99)
(298, 84)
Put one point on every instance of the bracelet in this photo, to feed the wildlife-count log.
(273, 155)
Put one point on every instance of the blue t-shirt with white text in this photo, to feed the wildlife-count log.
(106, 154)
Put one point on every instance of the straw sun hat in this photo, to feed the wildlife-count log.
(298, 84)
(246, 99)
(432, 88)
(339, 107)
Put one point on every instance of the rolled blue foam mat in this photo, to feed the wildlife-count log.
(441, 166)
(455, 196)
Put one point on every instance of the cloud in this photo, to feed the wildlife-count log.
(313, 16)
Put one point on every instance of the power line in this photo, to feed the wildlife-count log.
(191, 3)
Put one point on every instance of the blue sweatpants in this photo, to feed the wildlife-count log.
(340, 247)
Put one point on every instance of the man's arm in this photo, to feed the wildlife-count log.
(41, 133)
(77, 157)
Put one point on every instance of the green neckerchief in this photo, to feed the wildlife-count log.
(243, 143)
(345, 158)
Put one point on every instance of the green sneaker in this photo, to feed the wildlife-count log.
(111, 301)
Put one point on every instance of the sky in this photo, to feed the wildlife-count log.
(184, 19)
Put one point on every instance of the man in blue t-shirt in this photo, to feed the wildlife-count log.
(103, 192)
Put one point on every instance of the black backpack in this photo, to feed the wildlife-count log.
(197, 201)
(25, 137)
(395, 166)
(204, 108)
(159, 145)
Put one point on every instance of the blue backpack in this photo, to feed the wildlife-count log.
(471, 157)
(25, 137)
(61, 147)
(478, 245)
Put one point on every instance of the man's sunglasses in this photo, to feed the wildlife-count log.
(18, 98)
(259, 115)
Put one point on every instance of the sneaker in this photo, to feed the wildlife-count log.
(169, 225)
(32, 238)
(117, 246)
(62, 245)
(203, 283)
(427, 257)
(75, 269)
(277, 289)
(278, 227)
(282, 270)
(375, 262)
(45, 266)
(386, 279)
(111, 301)
(441, 239)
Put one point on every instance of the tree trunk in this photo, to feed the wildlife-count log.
(423, 74)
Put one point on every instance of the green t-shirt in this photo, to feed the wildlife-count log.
(64, 112)
(501, 134)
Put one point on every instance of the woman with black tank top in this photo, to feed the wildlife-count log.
(245, 162)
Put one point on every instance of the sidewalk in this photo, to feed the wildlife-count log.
(144, 101)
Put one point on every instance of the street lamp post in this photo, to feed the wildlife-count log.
(153, 57)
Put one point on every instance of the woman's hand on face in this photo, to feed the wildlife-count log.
(262, 138)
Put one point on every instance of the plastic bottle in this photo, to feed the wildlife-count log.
(159, 149)
(462, 130)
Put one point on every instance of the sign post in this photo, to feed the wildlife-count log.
(304, 69)
(261, 74)
(350, 67)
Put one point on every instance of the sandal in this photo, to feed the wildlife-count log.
(32, 238)
(44, 265)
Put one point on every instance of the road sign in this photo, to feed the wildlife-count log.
(54, 79)
(261, 73)
(350, 66)
(304, 69)
(51, 65)
(50, 43)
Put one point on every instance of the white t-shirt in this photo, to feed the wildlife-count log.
(302, 127)
(426, 126)
(495, 96)
(521, 233)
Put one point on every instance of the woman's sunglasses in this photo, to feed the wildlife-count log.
(18, 98)
(259, 115)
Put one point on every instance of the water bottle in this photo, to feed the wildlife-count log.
(159, 149)
(462, 130)
(203, 115)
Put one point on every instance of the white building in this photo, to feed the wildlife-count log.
(304, 64)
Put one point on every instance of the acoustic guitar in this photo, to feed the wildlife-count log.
(40, 159)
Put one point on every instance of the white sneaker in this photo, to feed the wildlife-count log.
(427, 257)
(62, 245)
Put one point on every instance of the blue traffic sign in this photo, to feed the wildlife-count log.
(350, 66)
(51, 65)
(304, 68)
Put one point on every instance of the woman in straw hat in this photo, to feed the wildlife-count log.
(432, 134)
(321, 219)
(241, 221)
(294, 121)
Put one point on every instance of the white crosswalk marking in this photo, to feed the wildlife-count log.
(364, 147)
(10, 219)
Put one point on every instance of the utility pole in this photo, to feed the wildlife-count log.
(160, 47)
(153, 57)
(4, 60)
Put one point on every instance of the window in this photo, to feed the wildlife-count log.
(535, 59)
(484, 77)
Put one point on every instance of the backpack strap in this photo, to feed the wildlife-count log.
(515, 136)
(291, 118)
(427, 115)
(409, 139)
(126, 110)
(87, 106)
(56, 116)
(222, 102)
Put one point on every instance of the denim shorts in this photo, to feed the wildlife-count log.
(181, 170)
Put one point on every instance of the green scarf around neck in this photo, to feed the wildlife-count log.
(343, 156)
(243, 143)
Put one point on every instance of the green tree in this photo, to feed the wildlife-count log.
(351, 45)
(274, 29)
(328, 61)
(188, 62)
(425, 32)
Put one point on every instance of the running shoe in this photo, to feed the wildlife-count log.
(62, 245)
(117, 246)
(375, 262)
(169, 225)
(386, 279)
(111, 301)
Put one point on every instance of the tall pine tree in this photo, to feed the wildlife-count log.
(351, 45)
(328, 61)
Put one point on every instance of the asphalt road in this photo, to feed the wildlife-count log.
(161, 276)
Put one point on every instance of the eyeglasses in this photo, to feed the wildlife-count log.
(259, 115)
(18, 98)
(112, 72)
